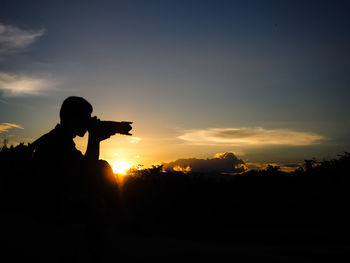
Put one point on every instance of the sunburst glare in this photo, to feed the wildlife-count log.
(122, 166)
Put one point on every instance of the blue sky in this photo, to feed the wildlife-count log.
(268, 80)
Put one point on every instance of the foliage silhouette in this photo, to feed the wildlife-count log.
(199, 206)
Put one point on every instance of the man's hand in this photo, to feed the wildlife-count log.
(95, 131)
(93, 148)
(125, 127)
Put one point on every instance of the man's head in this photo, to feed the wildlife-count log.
(75, 115)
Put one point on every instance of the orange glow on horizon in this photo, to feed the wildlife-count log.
(122, 166)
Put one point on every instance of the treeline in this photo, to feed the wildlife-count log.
(315, 195)
(209, 205)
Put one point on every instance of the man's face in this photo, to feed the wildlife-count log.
(83, 125)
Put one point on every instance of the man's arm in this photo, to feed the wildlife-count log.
(96, 135)
(93, 148)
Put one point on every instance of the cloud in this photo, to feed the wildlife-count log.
(285, 167)
(134, 139)
(225, 162)
(12, 85)
(14, 39)
(4, 127)
(250, 136)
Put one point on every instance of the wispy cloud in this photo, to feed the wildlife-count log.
(134, 139)
(14, 39)
(4, 127)
(13, 85)
(250, 137)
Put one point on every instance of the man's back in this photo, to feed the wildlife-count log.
(57, 148)
(63, 182)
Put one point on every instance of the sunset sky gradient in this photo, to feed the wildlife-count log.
(267, 80)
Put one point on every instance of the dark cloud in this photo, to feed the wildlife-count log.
(226, 162)
(285, 167)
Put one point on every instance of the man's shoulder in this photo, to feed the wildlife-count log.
(47, 138)
(55, 143)
(53, 138)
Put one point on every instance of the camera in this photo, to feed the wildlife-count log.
(112, 127)
(105, 129)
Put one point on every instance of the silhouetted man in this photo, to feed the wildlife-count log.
(71, 188)
(75, 115)
(64, 176)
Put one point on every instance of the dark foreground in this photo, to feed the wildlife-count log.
(26, 240)
(265, 215)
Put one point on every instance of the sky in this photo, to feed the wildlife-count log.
(266, 80)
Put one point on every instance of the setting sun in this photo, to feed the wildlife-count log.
(121, 166)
